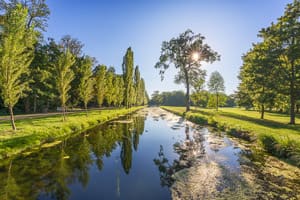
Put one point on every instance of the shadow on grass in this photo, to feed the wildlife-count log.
(262, 122)
(17, 143)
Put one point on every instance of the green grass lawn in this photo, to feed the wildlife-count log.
(36, 131)
(274, 133)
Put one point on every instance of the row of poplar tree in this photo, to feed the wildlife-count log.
(270, 74)
(38, 75)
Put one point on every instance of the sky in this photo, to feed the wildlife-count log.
(108, 27)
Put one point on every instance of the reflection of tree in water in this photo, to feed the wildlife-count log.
(58, 188)
(131, 134)
(126, 150)
(189, 151)
(50, 171)
(11, 188)
(103, 141)
(139, 124)
(82, 161)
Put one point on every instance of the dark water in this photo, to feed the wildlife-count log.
(117, 160)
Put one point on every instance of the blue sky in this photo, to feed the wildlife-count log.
(108, 28)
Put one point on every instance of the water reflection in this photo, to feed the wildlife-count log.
(209, 165)
(49, 172)
(189, 152)
(115, 161)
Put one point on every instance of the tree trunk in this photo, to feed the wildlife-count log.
(12, 118)
(34, 103)
(217, 104)
(297, 108)
(292, 111)
(187, 90)
(64, 113)
(48, 105)
(292, 96)
(262, 113)
(86, 111)
(27, 105)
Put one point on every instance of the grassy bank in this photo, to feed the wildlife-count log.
(273, 133)
(34, 132)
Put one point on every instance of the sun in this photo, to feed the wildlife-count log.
(195, 56)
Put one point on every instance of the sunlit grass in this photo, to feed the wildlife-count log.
(36, 131)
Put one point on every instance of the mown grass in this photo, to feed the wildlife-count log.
(273, 133)
(37, 131)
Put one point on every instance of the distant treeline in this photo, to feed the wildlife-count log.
(203, 99)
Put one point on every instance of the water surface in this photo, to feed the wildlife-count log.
(151, 154)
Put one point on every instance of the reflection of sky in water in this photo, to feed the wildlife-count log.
(116, 160)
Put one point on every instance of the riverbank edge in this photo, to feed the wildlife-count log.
(65, 131)
(289, 152)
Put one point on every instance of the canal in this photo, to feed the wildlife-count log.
(151, 154)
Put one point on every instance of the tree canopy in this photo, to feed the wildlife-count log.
(186, 53)
(16, 54)
(276, 57)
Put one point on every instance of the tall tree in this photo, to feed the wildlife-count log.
(127, 67)
(137, 86)
(119, 90)
(145, 97)
(16, 54)
(75, 47)
(100, 85)
(257, 76)
(216, 85)
(42, 86)
(64, 76)
(86, 86)
(37, 15)
(186, 52)
(285, 36)
(110, 88)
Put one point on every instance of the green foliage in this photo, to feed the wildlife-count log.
(38, 11)
(119, 90)
(42, 86)
(276, 57)
(64, 75)
(16, 54)
(138, 86)
(75, 47)
(86, 86)
(200, 98)
(212, 101)
(100, 75)
(110, 94)
(127, 66)
(174, 98)
(144, 96)
(216, 85)
(257, 74)
(180, 51)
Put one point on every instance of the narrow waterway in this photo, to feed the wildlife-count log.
(151, 154)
